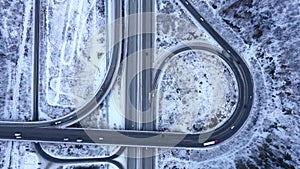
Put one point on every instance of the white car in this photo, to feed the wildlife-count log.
(79, 140)
(66, 139)
(57, 122)
(18, 135)
(232, 127)
(210, 143)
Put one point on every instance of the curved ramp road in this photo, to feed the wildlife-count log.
(93, 102)
(245, 87)
(153, 138)
(25, 131)
(73, 117)
(138, 88)
(109, 159)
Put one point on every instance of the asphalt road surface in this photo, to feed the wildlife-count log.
(109, 159)
(245, 81)
(148, 45)
(148, 138)
(100, 95)
(38, 146)
(138, 85)
(35, 116)
(36, 58)
(89, 136)
(132, 89)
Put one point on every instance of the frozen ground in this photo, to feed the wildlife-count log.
(191, 78)
(74, 70)
(18, 155)
(265, 33)
(106, 116)
(23, 155)
(70, 151)
(16, 37)
(5, 153)
(72, 66)
(172, 24)
(90, 166)
(73, 55)
(110, 114)
(198, 93)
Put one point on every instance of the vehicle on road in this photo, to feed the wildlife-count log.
(18, 135)
(151, 95)
(57, 122)
(79, 140)
(210, 143)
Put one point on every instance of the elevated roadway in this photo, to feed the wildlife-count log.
(35, 131)
(102, 92)
(138, 81)
(152, 138)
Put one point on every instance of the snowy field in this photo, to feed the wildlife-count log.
(174, 26)
(19, 155)
(72, 67)
(109, 115)
(71, 151)
(198, 93)
(265, 33)
(73, 55)
(74, 70)
(23, 155)
(194, 81)
(16, 36)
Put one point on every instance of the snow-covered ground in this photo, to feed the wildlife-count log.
(74, 70)
(90, 166)
(73, 64)
(265, 33)
(198, 93)
(171, 27)
(23, 155)
(195, 81)
(73, 55)
(110, 114)
(18, 155)
(5, 149)
(175, 26)
(70, 151)
(16, 36)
